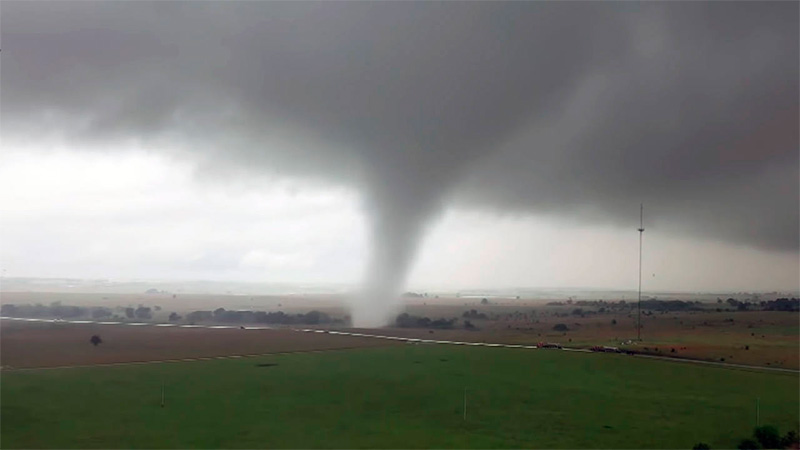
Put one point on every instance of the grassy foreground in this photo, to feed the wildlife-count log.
(410, 396)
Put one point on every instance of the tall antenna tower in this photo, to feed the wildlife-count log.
(641, 232)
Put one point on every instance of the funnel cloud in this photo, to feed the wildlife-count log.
(575, 109)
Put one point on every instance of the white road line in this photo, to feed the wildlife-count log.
(714, 363)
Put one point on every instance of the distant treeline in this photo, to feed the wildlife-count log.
(671, 305)
(622, 304)
(656, 305)
(780, 304)
(57, 310)
(279, 317)
(474, 314)
(406, 320)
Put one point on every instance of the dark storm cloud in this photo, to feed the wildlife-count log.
(576, 109)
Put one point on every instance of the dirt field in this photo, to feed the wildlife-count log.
(765, 338)
(26, 345)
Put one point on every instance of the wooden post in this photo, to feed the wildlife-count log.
(758, 411)
(465, 404)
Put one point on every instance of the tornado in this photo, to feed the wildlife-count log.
(399, 210)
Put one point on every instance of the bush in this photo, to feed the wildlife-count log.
(174, 317)
(95, 340)
(560, 327)
(701, 446)
(748, 444)
(767, 436)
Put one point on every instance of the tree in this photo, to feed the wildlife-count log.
(748, 444)
(8, 310)
(95, 340)
(484, 301)
(100, 312)
(315, 317)
(560, 327)
(143, 312)
(129, 313)
(613, 321)
(701, 446)
(790, 440)
(174, 317)
(767, 436)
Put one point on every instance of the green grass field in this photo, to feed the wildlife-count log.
(409, 397)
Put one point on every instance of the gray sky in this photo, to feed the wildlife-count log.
(434, 143)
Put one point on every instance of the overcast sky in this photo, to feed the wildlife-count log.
(445, 144)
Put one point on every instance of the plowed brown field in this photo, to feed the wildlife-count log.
(27, 345)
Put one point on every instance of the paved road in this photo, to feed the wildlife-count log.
(366, 335)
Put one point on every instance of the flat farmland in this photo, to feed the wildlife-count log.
(409, 396)
(713, 332)
(27, 345)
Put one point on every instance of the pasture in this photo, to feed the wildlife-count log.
(403, 396)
